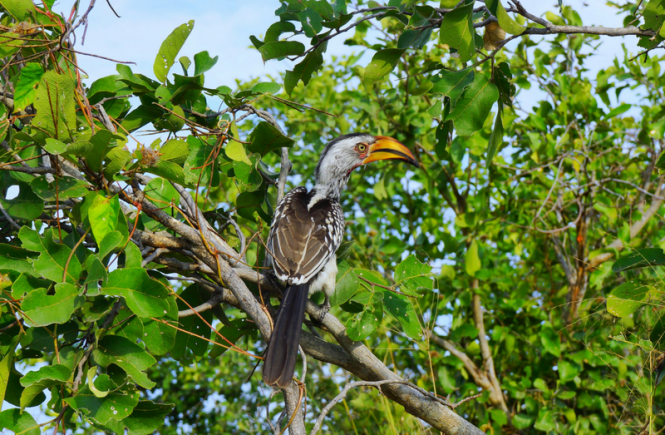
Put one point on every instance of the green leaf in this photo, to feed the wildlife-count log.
(102, 143)
(175, 151)
(187, 93)
(236, 151)
(401, 309)
(629, 297)
(249, 177)
(99, 393)
(265, 138)
(103, 215)
(502, 80)
(621, 109)
(303, 71)
(499, 417)
(248, 203)
(640, 258)
(364, 324)
(567, 371)
(276, 29)
(133, 257)
(169, 170)
(54, 102)
(231, 333)
(412, 275)
(146, 418)
(184, 63)
(129, 325)
(203, 62)
(115, 406)
(19, 9)
(54, 256)
(25, 91)
(471, 259)
(473, 106)
(6, 366)
(382, 63)
(505, 21)
(41, 309)
(197, 330)
(654, 15)
(311, 21)
(130, 357)
(414, 38)
(141, 116)
(159, 337)
(24, 284)
(523, 421)
(256, 41)
(170, 49)
(496, 138)
(161, 192)
(13, 419)
(109, 243)
(566, 395)
(145, 296)
(10, 43)
(346, 284)
(545, 420)
(278, 49)
(106, 87)
(26, 205)
(457, 31)
(266, 88)
(46, 377)
(54, 146)
(550, 339)
(66, 188)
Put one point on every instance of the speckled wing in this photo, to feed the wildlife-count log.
(302, 240)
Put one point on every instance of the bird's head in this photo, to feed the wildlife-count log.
(346, 153)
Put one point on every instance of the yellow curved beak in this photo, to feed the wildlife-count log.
(387, 148)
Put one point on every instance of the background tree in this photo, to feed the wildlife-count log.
(510, 286)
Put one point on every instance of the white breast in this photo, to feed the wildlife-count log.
(325, 280)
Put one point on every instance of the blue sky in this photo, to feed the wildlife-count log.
(223, 28)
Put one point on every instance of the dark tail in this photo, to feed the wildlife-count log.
(280, 360)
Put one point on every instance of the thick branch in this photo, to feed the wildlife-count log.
(551, 29)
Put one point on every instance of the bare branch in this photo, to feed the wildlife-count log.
(28, 170)
(9, 218)
(551, 29)
(216, 298)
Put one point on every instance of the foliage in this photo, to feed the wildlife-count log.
(487, 272)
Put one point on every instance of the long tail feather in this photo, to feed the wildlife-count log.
(280, 360)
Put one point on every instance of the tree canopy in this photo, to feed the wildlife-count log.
(513, 284)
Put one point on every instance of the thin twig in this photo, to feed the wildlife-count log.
(9, 218)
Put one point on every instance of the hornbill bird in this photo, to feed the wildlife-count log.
(304, 236)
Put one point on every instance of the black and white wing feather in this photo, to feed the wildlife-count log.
(304, 237)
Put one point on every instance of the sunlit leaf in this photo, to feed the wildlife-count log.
(169, 50)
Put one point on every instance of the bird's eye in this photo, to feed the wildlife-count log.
(361, 148)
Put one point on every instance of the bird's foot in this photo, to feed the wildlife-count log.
(324, 309)
(317, 319)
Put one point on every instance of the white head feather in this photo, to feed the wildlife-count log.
(338, 159)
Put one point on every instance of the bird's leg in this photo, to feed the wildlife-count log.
(317, 319)
(324, 308)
